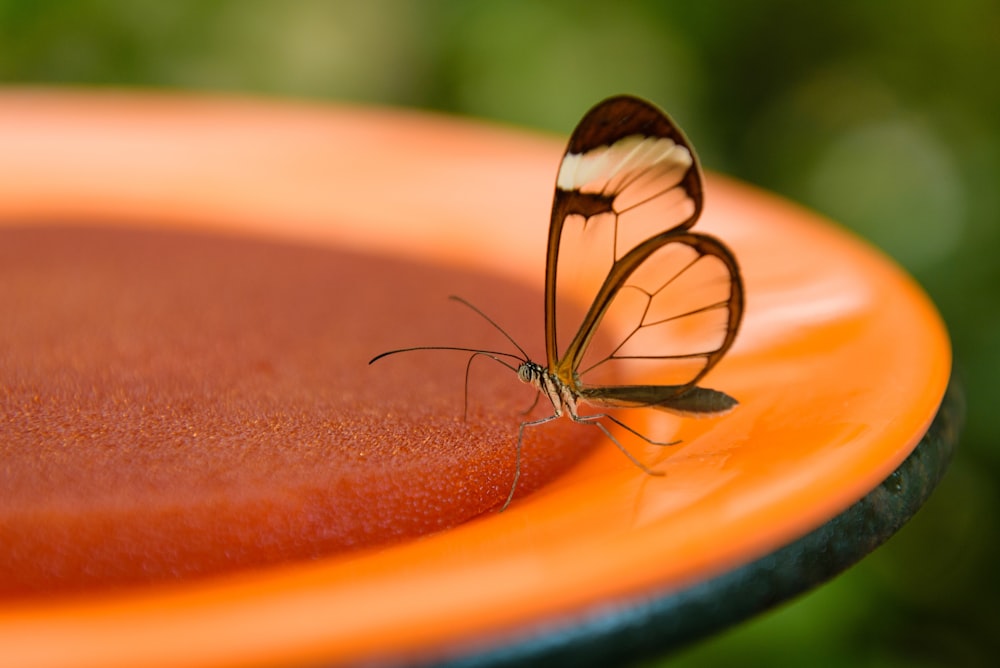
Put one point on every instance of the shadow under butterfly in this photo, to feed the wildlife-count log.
(628, 191)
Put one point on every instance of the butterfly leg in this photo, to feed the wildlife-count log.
(534, 403)
(596, 421)
(517, 455)
(638, 433)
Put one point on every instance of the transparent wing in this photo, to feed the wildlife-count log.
(667, 302)
(628, 174)
(668, 312)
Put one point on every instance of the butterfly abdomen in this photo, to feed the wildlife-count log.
(678, 399)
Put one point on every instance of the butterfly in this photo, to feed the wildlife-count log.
(628, 191)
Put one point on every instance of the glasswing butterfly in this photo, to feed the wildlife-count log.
(628, 191)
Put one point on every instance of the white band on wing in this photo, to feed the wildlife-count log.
(594, 170)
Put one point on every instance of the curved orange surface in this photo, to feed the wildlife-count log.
(839, 368)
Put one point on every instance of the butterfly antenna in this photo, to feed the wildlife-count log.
(524, 355)
(492, 354)
(468, 367)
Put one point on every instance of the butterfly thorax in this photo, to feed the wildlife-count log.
(561, 395)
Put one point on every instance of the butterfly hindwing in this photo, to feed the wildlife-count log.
(670, 321)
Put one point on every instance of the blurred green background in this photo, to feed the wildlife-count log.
(881, 115)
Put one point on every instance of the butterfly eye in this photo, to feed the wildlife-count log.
(525, 373)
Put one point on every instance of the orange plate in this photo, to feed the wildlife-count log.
(840, 366)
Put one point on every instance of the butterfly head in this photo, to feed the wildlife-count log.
(530, 372)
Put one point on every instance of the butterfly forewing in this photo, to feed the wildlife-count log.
(628, 173)
(665, 303)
